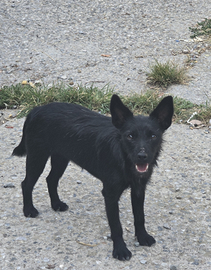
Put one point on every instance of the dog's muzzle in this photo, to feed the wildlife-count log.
(142, 165)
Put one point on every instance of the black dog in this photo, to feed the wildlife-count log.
(121, 151)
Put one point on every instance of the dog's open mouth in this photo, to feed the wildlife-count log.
(142, 168)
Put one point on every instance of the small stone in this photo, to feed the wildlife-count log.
(109, 237)
(79, 182)
(91, 63)
(186, 51)
(9, 185)
(38, 82)
(195, 262)
(143, 261)
(166, 226)
(136, 244)
(173, 267)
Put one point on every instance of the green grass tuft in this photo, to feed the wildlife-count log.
(25, 97)
(165, 74)
(202, 28)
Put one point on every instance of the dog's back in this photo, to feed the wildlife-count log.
(87, 138)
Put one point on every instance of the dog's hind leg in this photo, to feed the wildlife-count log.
(58, 166)
(35, 165)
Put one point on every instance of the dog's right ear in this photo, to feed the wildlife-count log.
(119, 112)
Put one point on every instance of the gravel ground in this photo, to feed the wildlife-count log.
(104, 42)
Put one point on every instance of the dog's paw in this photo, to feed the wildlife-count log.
(146, 240)
(121, 253)
(30, 212)
(59, 206)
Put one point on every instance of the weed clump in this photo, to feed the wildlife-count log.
(165, 74)
(202, 28)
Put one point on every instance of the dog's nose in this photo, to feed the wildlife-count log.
(142, 155)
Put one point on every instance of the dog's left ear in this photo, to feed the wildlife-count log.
(119, 112)
(164, 112)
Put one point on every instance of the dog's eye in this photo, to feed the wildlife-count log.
(153, 136)
(130, 136)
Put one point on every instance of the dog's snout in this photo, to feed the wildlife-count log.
(142, 155)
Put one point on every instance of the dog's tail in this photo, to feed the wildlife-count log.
(20, 150)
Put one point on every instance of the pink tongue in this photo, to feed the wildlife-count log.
(142, 167)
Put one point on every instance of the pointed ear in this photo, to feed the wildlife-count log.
(164, 112)
(119, 112)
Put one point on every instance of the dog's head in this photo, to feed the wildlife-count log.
(141, 136)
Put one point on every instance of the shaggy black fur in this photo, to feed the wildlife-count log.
(120, 150)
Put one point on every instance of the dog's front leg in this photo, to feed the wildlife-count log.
(137, 199)
(120, 250)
